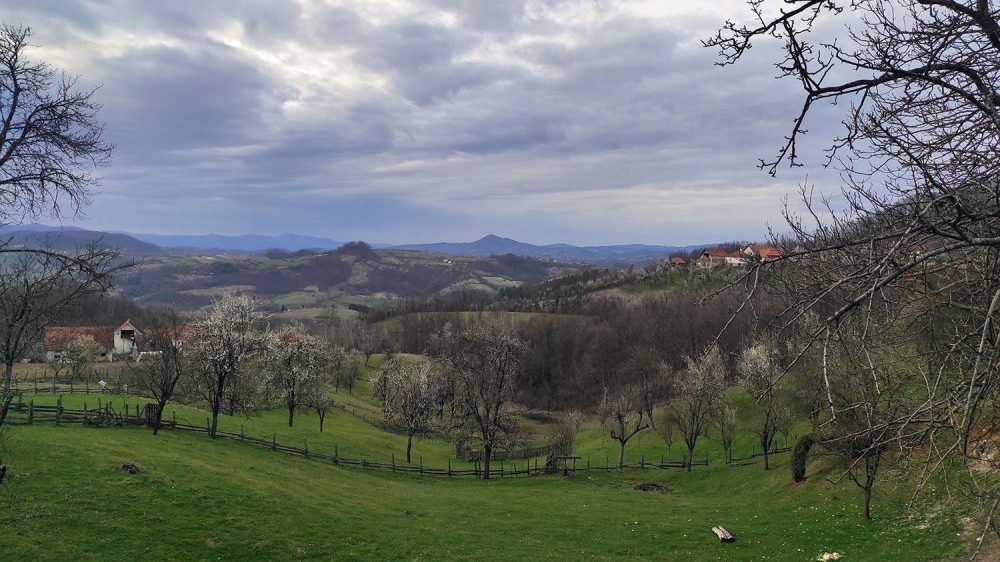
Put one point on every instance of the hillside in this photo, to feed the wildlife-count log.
(318, 280)
(71, 239)
(200, 499)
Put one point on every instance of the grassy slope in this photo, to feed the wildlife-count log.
(198, 500)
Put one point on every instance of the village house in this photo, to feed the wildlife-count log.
(112, 341)
(677, 261)
(712, 257)
(763, 253)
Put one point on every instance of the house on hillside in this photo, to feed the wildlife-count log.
(712, 257)
(762, 253)
(123, 340)
(677, 261)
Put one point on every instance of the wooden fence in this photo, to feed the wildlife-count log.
(28, 413)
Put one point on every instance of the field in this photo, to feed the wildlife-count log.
(199, 499)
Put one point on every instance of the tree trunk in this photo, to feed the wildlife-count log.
(868, 499)
(159, 416)
(8, 394)
(487, 454)
(690, 458)
(322, 417)
(767, 465)
(291, 414)
(409, 445)
(216, 406)
(621, 455)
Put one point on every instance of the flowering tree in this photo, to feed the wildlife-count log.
(759, 370)
(409, 388)
(225, 338)
(697, 390)
(81, 351)
(295, 367)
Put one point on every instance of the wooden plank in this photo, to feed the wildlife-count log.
(723, 534)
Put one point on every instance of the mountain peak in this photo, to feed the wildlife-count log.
(494, 238)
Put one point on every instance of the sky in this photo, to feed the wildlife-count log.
(586, 122)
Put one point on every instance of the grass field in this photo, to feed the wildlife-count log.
(202, 499)
(197, 499)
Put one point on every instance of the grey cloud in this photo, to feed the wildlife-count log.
(425, 122)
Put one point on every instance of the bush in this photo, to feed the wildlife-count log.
(799, 456)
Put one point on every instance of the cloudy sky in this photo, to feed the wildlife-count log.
(588, 122)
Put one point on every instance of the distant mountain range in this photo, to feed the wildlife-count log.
(496, 245)
(65, 237)
(240, 243)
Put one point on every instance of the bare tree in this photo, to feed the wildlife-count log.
(410, 390)
(912, 238)
(36, 286)
(159, 372)
(224, 339)
(49, 134)
(696, 392)
(50, 139)
(295, 366)
(624, 413)
(645, 367)
(484, 361)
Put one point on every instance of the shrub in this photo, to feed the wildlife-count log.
(799, 456)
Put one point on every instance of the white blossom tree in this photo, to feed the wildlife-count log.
(759, 369)
(697, 389)
(225, 338)
(410, 388)
(295, 366)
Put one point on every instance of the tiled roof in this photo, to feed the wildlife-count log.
(58, 338)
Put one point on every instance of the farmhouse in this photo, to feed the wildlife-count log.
(712, 257)
(763, 253)
(112, 341)
(677, 261)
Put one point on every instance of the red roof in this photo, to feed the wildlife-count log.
(715, 252)
(58, 338)
(765, 252)
(771, 252)
(678, 261)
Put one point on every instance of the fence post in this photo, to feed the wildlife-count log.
(86, 386)
(274, 441)
(20, 401)
(394, 462)
(305, 443)
(336, 453)
(241, 432)
(71, 387)
(175, 417)
(706, 458)
(31, 412)
(59, 410)
(53, 384)
(449, 468)
(642, 462)
(421, 464)
(36, 386)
